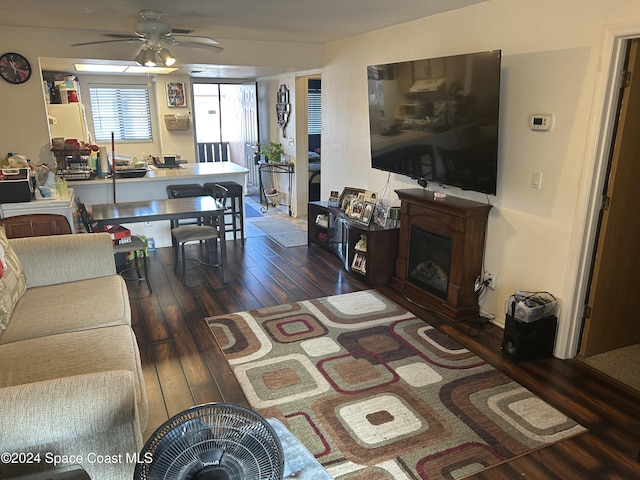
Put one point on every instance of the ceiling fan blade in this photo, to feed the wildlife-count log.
(122, 35)
(195, 38)
(188, 44)
(126, 40)
(153, 31)
(216, 48)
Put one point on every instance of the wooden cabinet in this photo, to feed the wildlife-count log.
(367, 251)
(459, 225)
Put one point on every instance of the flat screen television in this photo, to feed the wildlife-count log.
(436, 120)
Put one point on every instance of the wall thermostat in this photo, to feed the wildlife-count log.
(540, 121)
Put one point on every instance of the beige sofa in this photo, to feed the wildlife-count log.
(71, 383)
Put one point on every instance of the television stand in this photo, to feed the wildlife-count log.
(367, 251)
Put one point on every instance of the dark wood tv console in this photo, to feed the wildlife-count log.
(447, 236)
(330, 228)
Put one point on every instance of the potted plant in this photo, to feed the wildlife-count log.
(272, 152)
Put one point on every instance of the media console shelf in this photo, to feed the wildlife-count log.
(440, 251)
(367, 251)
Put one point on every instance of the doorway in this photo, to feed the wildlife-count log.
(314, 136)
(221, 129)
(598, 148)
(610, 317)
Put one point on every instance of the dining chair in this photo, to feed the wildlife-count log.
(206, 232)
(186, 190)
(137, 245)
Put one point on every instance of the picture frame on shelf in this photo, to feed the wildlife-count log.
(359, 263)
(334, 199)
(381, 215)
(347, 196)
(367, 212)
(356, 207)
(370, 196)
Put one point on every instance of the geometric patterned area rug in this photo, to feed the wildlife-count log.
(376, 393)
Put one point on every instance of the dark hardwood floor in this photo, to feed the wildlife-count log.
(183, 365)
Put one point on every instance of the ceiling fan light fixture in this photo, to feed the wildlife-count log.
(149, 57)
(140, 56)
(166, 57)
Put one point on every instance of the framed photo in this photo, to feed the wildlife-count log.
(367, 212)
(359, 263)
(370, 196)
(176, 95)
(356, 207)
(381, 215)
(347, 196)
(334, 199)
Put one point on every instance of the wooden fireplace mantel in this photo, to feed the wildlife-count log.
(464, 222)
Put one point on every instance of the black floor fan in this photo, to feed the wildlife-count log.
(215, 441)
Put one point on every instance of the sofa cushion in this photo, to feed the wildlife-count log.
(75, 353)
(69, 307)
(13, 283)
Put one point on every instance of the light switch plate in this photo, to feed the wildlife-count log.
(536, 179)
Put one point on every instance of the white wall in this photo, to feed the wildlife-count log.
(270, 131)
(551, 52)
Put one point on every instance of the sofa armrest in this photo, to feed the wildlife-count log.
(67, 408)
(64, 258)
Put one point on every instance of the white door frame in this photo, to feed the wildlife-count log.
(601, 132)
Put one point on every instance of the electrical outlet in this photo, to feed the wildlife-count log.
(490, 280)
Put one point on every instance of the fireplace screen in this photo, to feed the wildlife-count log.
(430, 261)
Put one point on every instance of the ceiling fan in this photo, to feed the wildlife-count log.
(157, 35)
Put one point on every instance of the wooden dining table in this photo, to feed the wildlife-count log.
(165, 209)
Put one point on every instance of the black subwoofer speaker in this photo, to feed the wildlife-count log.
(529, 341)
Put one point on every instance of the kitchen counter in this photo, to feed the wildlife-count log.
(153, 184)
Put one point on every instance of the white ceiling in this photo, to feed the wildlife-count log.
(303, 21)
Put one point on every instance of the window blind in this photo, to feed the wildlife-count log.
(314, 112)
(123, 110)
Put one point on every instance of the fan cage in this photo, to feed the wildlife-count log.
(231, 440)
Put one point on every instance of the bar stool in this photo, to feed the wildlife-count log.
(233, 206)
(186, 190)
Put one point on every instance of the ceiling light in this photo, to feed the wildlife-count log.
(149, 58)
(140, 56)
(166, 57)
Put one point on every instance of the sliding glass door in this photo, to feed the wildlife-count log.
(220, 122)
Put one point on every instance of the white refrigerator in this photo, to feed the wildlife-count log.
(68, 120)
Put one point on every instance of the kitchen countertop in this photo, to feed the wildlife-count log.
(186, 170)
(153, 187)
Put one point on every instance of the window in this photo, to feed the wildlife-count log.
(123, 110)
(314, 112)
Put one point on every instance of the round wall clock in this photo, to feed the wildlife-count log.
(14, 68)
